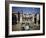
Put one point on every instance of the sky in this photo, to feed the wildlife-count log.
(25, 10)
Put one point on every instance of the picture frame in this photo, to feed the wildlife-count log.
(10, 6)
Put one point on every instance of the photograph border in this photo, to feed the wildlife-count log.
(7, 18)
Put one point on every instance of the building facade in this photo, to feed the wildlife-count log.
(27, 18)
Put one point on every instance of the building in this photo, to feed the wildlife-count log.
(26, 18)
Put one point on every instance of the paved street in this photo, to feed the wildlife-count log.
(18, 27)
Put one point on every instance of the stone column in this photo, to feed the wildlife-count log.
(20, 18)
(37, 19)
(33, 17)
